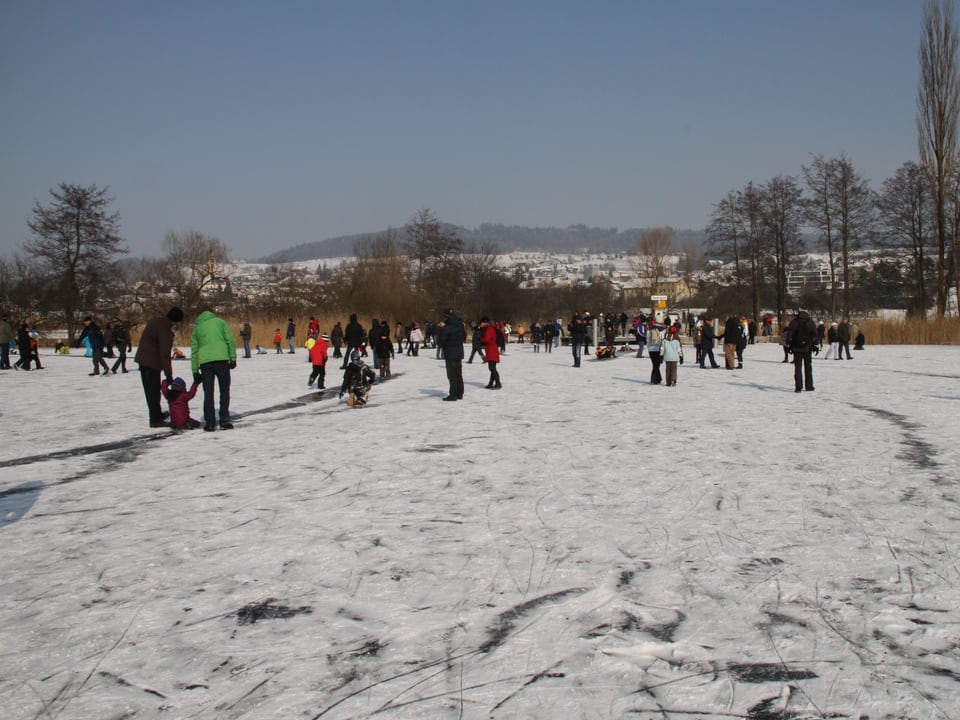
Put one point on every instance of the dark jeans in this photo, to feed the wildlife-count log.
(494, 374)
(655, 358)
(99, 361)
(802, 364)
(577, 350)
(150, 379)
(246, 347)
(844, 346)
(707, 352)
(319, 371)
(218, 370)
(121, 358)
(455, 376)
(476, 351)
(5, 355)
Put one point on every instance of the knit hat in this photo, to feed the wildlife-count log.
(178, 384)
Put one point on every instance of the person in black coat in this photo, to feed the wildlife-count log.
(731, 337)
(475, 347)
(707, 337)
(353, 335)
(578, 337)
(23, 347)
(801, 338)
(451, 339)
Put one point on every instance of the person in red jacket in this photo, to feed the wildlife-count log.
(318, 358)
(491, 351)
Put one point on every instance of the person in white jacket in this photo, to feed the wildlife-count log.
(672, 352)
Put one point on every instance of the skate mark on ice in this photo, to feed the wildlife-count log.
(435, 448)
(125, 444)
(126, 683)
(768, 672)
(17, 501)
(916, 450)
(505, 622)
(268, 610)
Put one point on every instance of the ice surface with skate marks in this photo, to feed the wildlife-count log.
(580, 544)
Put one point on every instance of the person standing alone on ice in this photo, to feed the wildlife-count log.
(451, 339)
(801, 338)
(491, 352)
(213, 355)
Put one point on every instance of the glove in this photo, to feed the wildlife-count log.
(168, 379)
(233, 364)
(197, 378)
(341, 394)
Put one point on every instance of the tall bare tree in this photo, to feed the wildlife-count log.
(436, 255)
(938, 106)
(652, 258)
(736, 233)
(781, 219)
(855, 204)
(192, 267)
(76, 239)
(819, 211)
(906, 219)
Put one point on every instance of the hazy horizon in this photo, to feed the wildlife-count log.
(272, 126)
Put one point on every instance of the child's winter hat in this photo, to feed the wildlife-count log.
(178, 384)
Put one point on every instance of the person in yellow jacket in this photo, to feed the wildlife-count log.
(213, 354)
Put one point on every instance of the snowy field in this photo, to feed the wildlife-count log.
(580, 544)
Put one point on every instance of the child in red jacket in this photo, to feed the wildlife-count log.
(179, 399)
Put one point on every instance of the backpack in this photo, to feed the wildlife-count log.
(801, 334)
(653, 339)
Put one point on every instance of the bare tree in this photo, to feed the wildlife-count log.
(192, 268)
(953, 222)
(855, 205)
(938, 106)
(906, 219)
(736, 233)
(819, 211)
(652, 253)
(781, 219)
(76, 238)
(436, 255)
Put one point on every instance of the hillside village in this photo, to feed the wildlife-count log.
(538, 269)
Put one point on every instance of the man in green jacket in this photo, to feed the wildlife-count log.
(213, 355)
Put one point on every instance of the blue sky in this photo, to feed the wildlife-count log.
(272, 124)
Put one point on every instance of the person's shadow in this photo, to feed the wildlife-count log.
(17, 501)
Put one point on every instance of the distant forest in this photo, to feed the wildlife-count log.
(506, 239)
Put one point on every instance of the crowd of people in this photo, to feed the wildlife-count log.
(214, 351)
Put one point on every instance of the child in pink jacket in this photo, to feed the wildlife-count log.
(179, 399)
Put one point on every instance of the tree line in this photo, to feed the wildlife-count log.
(73, 260)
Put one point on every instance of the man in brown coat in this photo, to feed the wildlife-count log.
(153, 356)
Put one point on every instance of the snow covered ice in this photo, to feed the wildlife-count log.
(580, 544)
